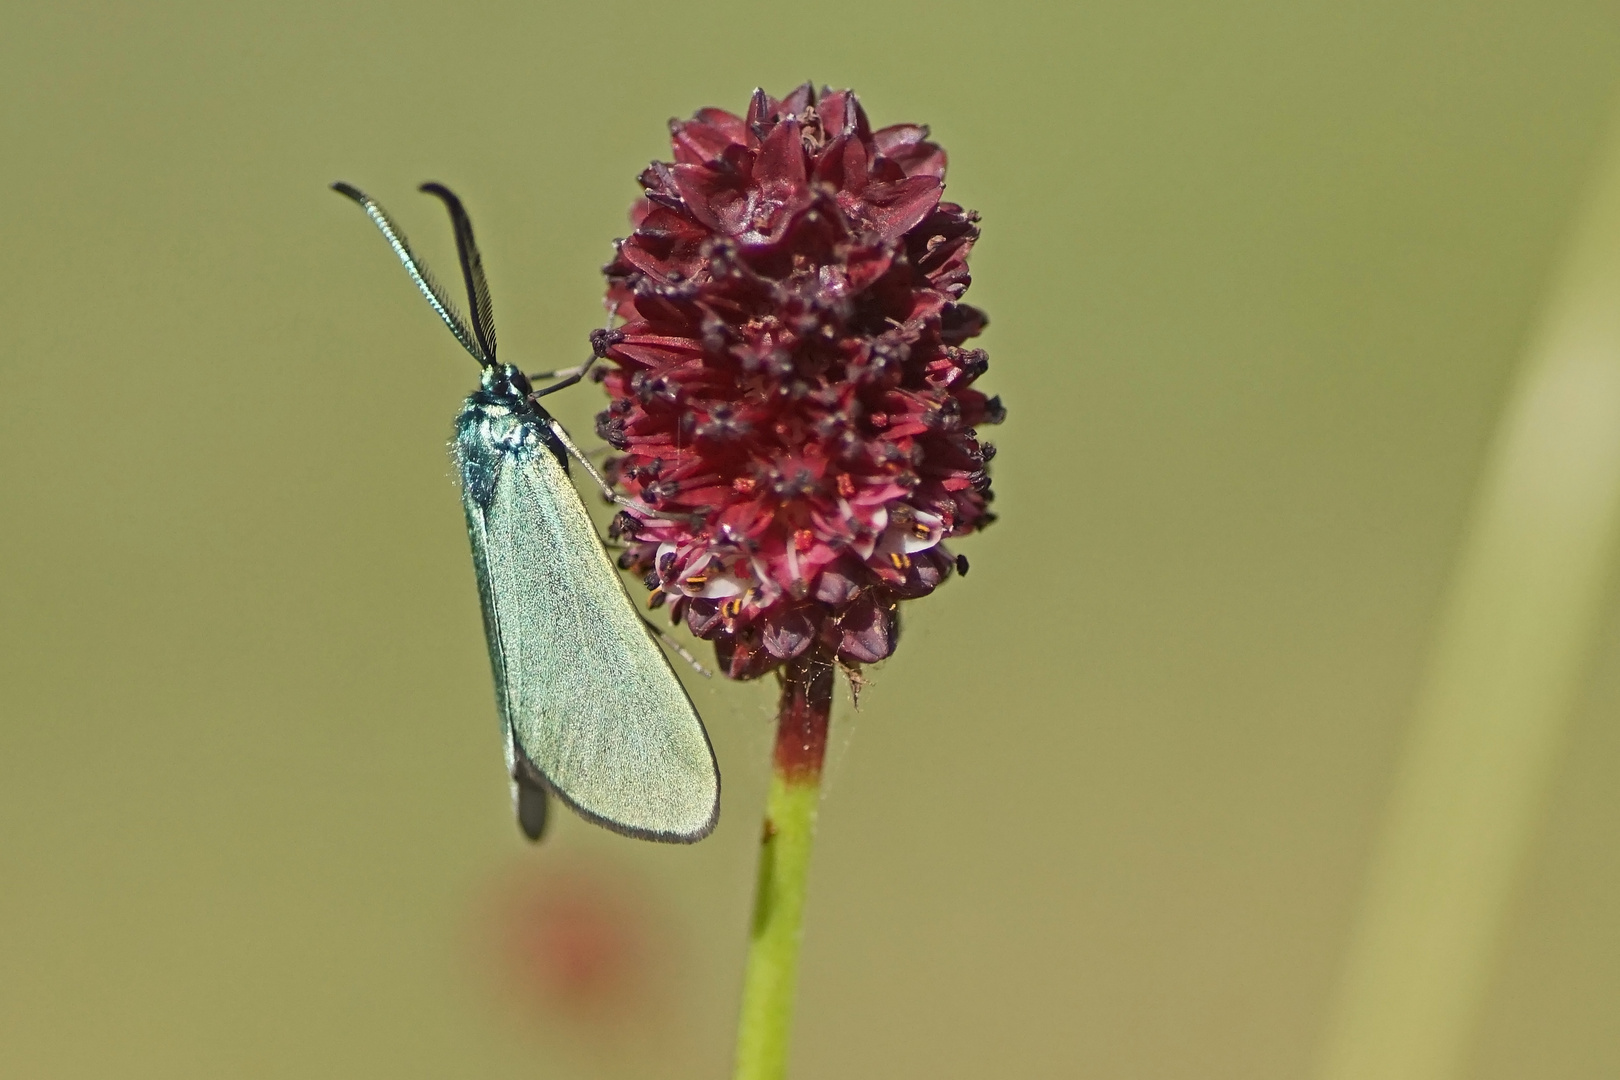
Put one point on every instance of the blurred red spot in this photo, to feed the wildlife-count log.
(576, 942)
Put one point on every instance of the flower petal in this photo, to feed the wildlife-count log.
(870, 631)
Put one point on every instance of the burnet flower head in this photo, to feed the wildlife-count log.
(792, 395)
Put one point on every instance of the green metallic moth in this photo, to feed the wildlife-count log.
(591, 710)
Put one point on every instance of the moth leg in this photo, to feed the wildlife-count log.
(602, 485)
(570, 376)
(574, 452)
(601, 341)
(676, 647)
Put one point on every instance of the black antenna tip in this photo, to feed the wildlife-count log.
(350, 190)
(433, 187)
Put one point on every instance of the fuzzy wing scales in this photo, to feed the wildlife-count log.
(589, 698)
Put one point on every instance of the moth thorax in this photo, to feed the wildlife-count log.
(510, 430)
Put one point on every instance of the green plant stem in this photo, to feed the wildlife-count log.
(784, 864)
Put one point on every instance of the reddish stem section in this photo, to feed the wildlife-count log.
(801, 723)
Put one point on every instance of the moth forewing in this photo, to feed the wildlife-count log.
(528, 791)
(592, 704)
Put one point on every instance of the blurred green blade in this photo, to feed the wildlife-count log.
(1511, 650)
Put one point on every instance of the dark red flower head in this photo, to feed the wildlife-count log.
(792, 398)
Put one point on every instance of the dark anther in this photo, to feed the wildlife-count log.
(830, 425)
(886, 352)
(721, 253)
(666, 562)
(947, 417)
(651, 581)
(962, 321)
(603, 339)
(624, 524)
(610, 429)
(994, 411)
(649, 388)
(986, 452)
(798, 485)
(973, 362)
(676, 291)
(663, 388)
(659, 491)
(723, 424)
(715, 334)
(962, 565)
(979, 479)
(626, 560)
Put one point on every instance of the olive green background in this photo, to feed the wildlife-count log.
(1259, 274)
